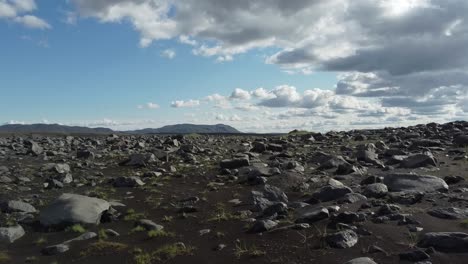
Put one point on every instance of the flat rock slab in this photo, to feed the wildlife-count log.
(413, 182)
(449, 213)
(445, 241)
(73, 208)
(17, 206)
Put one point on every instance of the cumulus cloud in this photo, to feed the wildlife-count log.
(240, 94)
(394, 58)
(387, 45)
(15, 10)
(181, 103)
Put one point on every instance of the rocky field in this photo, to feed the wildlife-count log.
(395, 195)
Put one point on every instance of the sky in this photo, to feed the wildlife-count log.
(260, 66)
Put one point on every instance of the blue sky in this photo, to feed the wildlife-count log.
(124, 64)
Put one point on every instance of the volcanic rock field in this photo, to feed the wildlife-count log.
(392, 195)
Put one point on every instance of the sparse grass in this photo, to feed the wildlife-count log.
(412, 240)
(40, 241)
(143, 258)
(137, 229)
(102, 247)
(172, 250)
(242, 249)
(31, 259)
(103, 193)
(464, 223)
(159, 233)
(167, 218)
(4, 257)
(164, 253)
(131, 215)
(102, 234)
(76, 228)
(221, 214)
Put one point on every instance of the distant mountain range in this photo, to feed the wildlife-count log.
(172, 129)
(188, 129)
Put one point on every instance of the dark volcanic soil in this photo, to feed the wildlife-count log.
(252, 197)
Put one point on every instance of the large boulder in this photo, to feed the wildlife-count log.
(367, 153)
(418, 160)
(445, 241)
(413, 182)
(332, 191)
(461, 140)
(73, 208)
(312, 215)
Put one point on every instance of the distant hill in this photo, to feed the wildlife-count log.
(189, 129)
(173, 129)
(53, 129)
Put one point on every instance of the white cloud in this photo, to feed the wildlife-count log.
(261, 93)
(32, 22)
(14, 10)
(168, 53)
(181, 103)
(7, 10)
(148, 106)
(24, 5)
(240, 94)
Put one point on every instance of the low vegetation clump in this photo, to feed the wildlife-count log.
(102, 247)
(40, 241)
(76, 228)
(4, 257)
(131, 215)
(164, 253)
(159, 233)
(243, 250)
(464, 223)
(221, 214)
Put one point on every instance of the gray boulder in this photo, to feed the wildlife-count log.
(262, 226)
(413, 182)
(375, 190)
(418, 160)
(312, 215)
(132, 181)
(73, 208)
(461, 140)
(9, 235)
(445, 241)
(343, 239)
(332, 191)
(449, 213)
(234, 163)
(17, 206)
(138, 160)
(362, 260)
